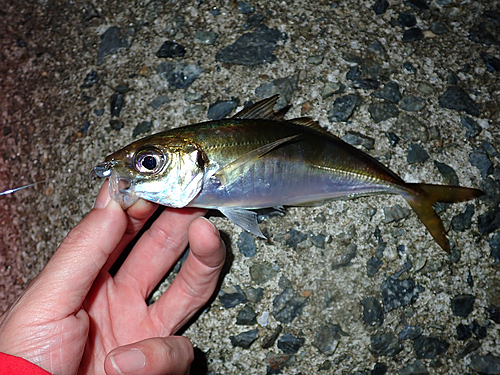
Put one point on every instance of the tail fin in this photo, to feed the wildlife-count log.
(422, 199)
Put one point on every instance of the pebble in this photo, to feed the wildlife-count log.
(261, 273)
(159, 101)
(90, 80)
(246, 244)
(328, 337)
(429, 347)
(171, 49)
(425, 88)
(448, 173)
(332, 88)
(116, 124)
(462, 305)
(489, 222)
(463, 332)
(438, 28)
(282, 86)
(379, 369)
(232, 296)
(366, 83)
(288, 305)
(293, 237)
(179, 75)
(389, 92)
(253, 48)
(142, 128)
(409, 67)
(244, 339)
(90, 12)
(479, 330)
(373, 313)
(470, 347)
(221, 108)
(411, 128)
(412, 103)
(112, 41)
(418, 4)
(205, 37)
(290, 344)
(492, 62)
(479, 159)
(357, 139)
(416, 154)
(407, 19)
(276, 362)
(484, 33)
(385, 344)
(487, 364)
(489, 148)
(269, 340)
(245, 8)
(410, 333)
(345, 258)
(254, 295)
(493, 310)
(415, 368)
(116, 102)
(395, 213)
(457, 99)
(344, 107)
(398, 293)
(372, 266)
(463, 220)
(472, 127)
(381, 111)
(380, 6)
(494, 242)
(318, 240)
(194, 96)
(253, 20)
(315, 59)
(413, 34)
(246, 316)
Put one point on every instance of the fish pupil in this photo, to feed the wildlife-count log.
(149, 162)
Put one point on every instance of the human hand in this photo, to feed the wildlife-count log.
(75, 317)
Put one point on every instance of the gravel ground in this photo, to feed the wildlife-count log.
(350, 287)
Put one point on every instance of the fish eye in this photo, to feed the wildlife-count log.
(149, 161)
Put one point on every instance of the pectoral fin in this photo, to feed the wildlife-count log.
(232, 170)
(244, 218)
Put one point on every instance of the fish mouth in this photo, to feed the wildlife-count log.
(103, 170)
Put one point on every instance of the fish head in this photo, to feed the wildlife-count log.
(160, 168)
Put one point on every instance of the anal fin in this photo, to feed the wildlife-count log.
(244, 218)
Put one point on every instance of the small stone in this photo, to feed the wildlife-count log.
(418, 4)
(416, 154)
(489, 222)
(393, 138)
(395, 213)
(411, 128)
(399, 293)
(171, 49)
(479, 159)
(90, 79)
(315, 59)
(407, 19)
(357, 139)
(192, 96)
(378, 48)
(410, 333)
(448, 173)
(328, 337)
(489, 148)
(221, 108)
(372, 266)
(487, 364)
(415, 368)
(380, 6)
(472, 127)
(116, 102)
(409, 68)
(317, 240)
(344, 107)
(244, 339)
(413, 34)
(245, 8)
(492, 62)
(282, 86)
(253, 21)
(425, 88)
(366, 83)
(429, 347)
(112, 41)
(246, 244)
(261, 273)
(385, 344)
(116, 124)
(231, 297)
(290, 344)
(252, 48)
(494, 242)
(379, 369)
(463, 220)
(382, 111)
(142, 128)
(485, 33)
(325, 366)
(438, 28)
(90, 12)
(269, 340)
(288, 305)
(276, 362)
(178, 75)
(205, 37)
(463, 332)
(462, 304)
(97, 112)
(293, 237)
(479, 330)
(254, 295)
(345, 258)
(159, 101)
(412, 103)
(332, 88)
(493, 310)
(389, 92)
(457, 99)
(469, 348)
(304, 245)
(246, 316)
(373, 313)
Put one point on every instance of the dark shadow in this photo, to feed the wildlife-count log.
(200, 363)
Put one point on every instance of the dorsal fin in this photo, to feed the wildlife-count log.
(263, 109)
(309, 123)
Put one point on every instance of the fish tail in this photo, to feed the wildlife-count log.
(422, 198)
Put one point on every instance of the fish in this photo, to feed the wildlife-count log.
(257, 159)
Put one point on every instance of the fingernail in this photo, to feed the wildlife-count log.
(214, 228)
(102, 202)
(128, 361)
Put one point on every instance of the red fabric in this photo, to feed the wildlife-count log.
(10, 365)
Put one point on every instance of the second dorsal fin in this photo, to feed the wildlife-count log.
(309, 123)
(263, 110)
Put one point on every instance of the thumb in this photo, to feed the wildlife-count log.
(159, 355)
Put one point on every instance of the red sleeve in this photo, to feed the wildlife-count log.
(10, 364)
